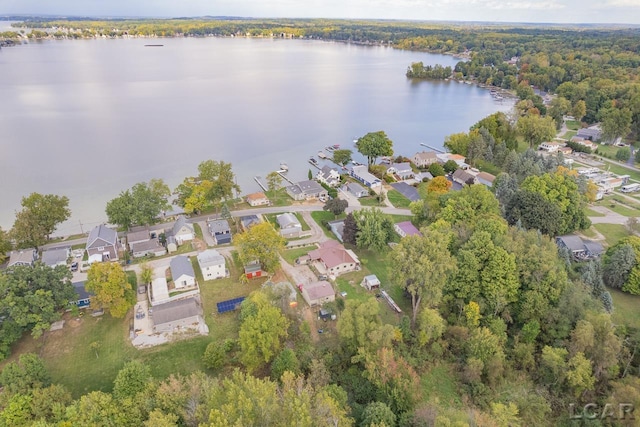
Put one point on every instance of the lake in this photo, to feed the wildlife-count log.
(90, 118)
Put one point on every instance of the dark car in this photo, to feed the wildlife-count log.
(74, 266)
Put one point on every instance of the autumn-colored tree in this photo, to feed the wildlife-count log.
(108, 282)
(439, 185)
(260, 243)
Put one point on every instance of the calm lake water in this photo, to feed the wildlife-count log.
(90, 118)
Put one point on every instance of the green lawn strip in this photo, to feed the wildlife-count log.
(589, 233)
(612, 232)
(319, 216)
(79, 246)
(573, 124)
(369, 201)
(569, 134)
(621, 170)
(290, 255)
(625, 308)
(591, 212)
(607, 150)
(619, 205)
(279, 197)
(272, 218)
(488, 167)
(422, 190)
(303, 223)
(198, 231)
(397, 199)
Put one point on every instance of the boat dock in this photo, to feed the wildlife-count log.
(281, 173)
(433, 148)
(257, 179)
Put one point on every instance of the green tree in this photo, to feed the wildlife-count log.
(146, 273)
(458, 143)
(262, 330)
(223, 180)
(450, 166)
(579, 109)
(359, 326)
(142, 204)
(505, 415)
(616, 122)
(533, 211)
(38, 219)
(285, 361)
(25, 375)
(274, 182)
(435, 169)
(5, 244)
(158, 418)
(262, 243)
(335, 206)
(580, 376)
(132, 379)
(430, 326)
(377, 414)
(618, 262)
(108, 282)
(623, 154)
(350, 230)
(374, 229)
(536, 129)
(214, 355)
(421, 265)
(374, 145)
(342, 157)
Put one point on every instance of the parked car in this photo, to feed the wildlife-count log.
(74, 266)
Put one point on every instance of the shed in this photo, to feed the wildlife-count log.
(370, 282)
(172, 245)
(289, 225)
(83, 298)
(253, 270)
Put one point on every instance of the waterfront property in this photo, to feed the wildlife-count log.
(257, 199)
(424, 159)
(212, 264)
(401, 171)
(290, 227)
(219, 230)
(306, 190)
(361, 173)
(329, 176)
(102, 244)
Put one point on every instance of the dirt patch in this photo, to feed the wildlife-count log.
(199, 245)
(279, 277)
(310, 317)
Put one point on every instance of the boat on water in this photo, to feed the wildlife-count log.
(313, 160)
(322, 155)
(284, 166)
(153, 45)
(336, 146)
(329, 148)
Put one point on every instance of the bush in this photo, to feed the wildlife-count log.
(215, 355)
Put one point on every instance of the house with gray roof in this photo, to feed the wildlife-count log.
(179, 316)
(103, 244)
(56, 256)
(289, 225)
(219, 230)
(463, 177)
(182, 230)
(306, 190)
(424, 159)
(182, 272)
(361, 173)
(580, 249)
(138, 235)
(485, 178)
(212, 264)
(248, 221)
(83, 298)
(401, 171)
(356, 189)
(593, 133)
(147, 248)
(328, 175)
(22, 257)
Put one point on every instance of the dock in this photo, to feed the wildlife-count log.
(390, 301)
(257, 179)
(433, 148)
(281, 173)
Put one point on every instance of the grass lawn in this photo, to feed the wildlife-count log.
(370, 201)
(608, 150)
(612, 232)
(279, 197)
(198, 230)
(439, 386)
(569, 134)
(397, 199)
(621, 170)
(625, 308)
(591, 212)
(619, 206)
(291, 255)
(488, 167)
(319, 216)
(590, 233)
(273, 220)
(573, 124)
(422, 190)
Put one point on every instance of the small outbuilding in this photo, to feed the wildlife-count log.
(370, 282)
(290, 227)
(253, 270)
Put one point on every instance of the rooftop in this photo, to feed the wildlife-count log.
(332, 254)
(175, 310)
(210, 257)
(317, 290)
(180, 265)
(256, 196)
(408, 228)
(56, 256)
(104, 233)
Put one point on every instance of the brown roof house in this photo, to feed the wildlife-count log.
(334, 259)
(257, 199)
(318, 293)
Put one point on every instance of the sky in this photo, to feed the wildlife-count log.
(550, 11)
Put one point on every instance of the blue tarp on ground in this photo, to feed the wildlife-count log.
(406, 190)
(229, 305)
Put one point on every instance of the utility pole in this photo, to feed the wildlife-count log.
(81, 230)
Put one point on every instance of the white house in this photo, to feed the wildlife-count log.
(356, 189)
(182, 272)
(329, 176)
(212, 264)
(401, 170)
(182, 230)
(22, 257)
(56, 256)
(424, 159)
(257, 199)
(551, 147)
(289, 225)
(370, 282)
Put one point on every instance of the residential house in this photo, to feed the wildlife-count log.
(56, 256)
(334, 259)
(318, 293)
(182, 230)
(406, 228)
(580, 249)
(370, 282)
(566, 150)
(585, 143)
(289, 225)
(356, 189)
(306, 190)
(592, 133)
(257, 199)
(329, 176)
(460, 160)
(182, 272)
(550, 146)
(83, 298)
(463, 177)
(220, 231)
(102, 244)
(423, 176)
(248, 221)
(485, 178)
(424, 159)
(179, 315)
(361, 173)
(337, 228)
(253, 270)
(150, 247)
(212, 264)
(138, 235)
(401, 171)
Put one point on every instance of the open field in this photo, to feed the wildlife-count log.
(625, 308)
(290, 255)
(619, 207)
(612, 232)
(370, 201)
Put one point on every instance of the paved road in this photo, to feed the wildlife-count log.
(610, 217)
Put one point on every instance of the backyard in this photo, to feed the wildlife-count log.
(398, 200)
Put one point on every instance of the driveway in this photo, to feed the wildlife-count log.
(610, 217)
(299, 273)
